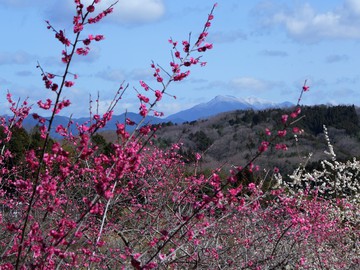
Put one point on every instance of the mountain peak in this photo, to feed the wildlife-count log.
(249, 100)
(225, 98)
(221, 100)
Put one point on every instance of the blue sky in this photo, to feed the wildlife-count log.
(262, 48)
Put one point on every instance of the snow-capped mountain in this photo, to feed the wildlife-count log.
(222, 104)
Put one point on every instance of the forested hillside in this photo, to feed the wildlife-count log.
(233, 138)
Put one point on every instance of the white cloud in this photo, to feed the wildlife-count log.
(334, 58)
(304, 23)
(274, 53)
(19, 3)
(93, 56)
(4, 81)
(245, 84)
(10, 3)
(347, 80)
(172, 107)
(17, 58)
(128, 12)
(227, 36)
(141, 74)
(118, 75)
(115, 75)
(248, 83)
(353, 6)
(133, 11)
(24, 73)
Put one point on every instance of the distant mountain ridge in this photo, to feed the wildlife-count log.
(222, 104)
(219, 104)
(29, 122)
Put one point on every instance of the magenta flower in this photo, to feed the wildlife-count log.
(144, 85)
(129, 122)
(284, 118)
(86, 41)
(143, 98)
(181, 76)
(90, 8)
(99, 37)
(54, 87)
(68, 83)
(295, 113)
(296, 130)
(82, 51)
(78, 28)
(46, 105)
(143, 110)
(50, 76)
(186, 46)
(61, 37)
(306, 88)
(281, 146)
(174, 43)
(264, 146)
(252, 187)
(267, 132)
(282, 133)
(66, 58)
(158, 95)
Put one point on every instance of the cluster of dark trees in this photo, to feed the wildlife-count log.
(339, 117)
(21, 141)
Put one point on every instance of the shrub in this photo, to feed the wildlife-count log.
(80, 204)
